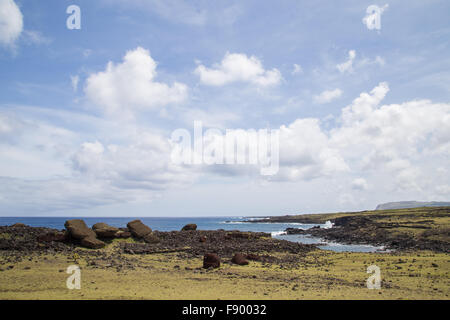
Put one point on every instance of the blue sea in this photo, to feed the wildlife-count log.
(203, 223)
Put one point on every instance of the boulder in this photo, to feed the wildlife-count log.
(138, 229)
(104, 230)
(202, 239)
(92, 243)
(151, 238)
(123, 234)
(77, 229)
(190, 226)
(239, 259)
(211, 260)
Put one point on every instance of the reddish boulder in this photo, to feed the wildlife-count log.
(151, 238)
(239, 259)
(104, 230)
(202, 239)
(123, 234)
(211, 260)
(138, 229)
(78, 229)
(92, 243)
(188, 227)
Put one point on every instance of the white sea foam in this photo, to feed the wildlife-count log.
(328, 225)
(278, 233)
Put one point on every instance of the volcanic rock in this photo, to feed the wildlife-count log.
(78, 229)
(190, 226)
(104, 230)
(151, 238)
(92, 243)
(138, 229)
(239, 259)
(211, 260)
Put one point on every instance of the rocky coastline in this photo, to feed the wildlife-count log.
(402, 229)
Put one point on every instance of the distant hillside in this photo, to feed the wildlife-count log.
(410, 204)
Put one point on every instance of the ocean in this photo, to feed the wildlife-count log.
(203, 223)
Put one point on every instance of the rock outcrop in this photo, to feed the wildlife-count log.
(190, 226)
(104, 230)
(211, 260)
(138, 229)
(77, 229)
(239, 259)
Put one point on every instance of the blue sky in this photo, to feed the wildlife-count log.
(363, 113)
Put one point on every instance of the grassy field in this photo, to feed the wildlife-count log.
(319, 275)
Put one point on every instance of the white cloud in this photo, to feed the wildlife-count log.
(328, 96)
(142, 163)
(131, 85)
(237, 67)
(396, 149)
(306, 153)
(347, 66)
(396, 139)
(35, 37)
(11, 22)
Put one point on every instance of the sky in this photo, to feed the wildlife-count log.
(88, 112)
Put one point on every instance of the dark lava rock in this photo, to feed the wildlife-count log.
(52, 236)
(151, 238)
(253, 257)
(78, 229)
(92, 243)
(211, 260)
(295, 231)
(191, 226)
(104, 230)
(239, 259)
(21, 240)
(123, 234)
(138, 229)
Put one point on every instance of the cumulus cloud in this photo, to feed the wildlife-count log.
(131, 85)
(306, 153)
(237, 67)
(11, 22)
(397, 139)
(347, 66)
(397, 148)
(328, 96)
(142, 163)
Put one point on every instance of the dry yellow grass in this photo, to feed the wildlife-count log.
(320, 275)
